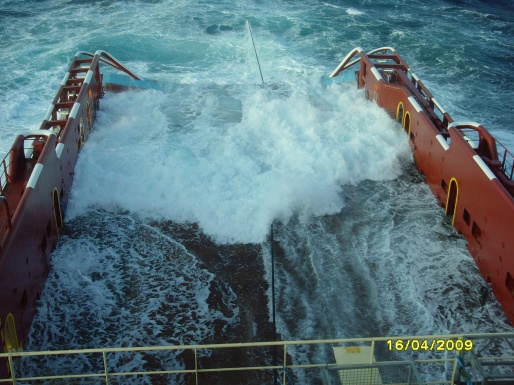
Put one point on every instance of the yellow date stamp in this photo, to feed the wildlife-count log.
(438, 345)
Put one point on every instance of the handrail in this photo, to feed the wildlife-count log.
(507, 161)
(469, 336)
(344, 63)
(7, 211)
(4, 174)
(110, 60)
(397, 347)
(421, 94)
(36, 133)
(504, 158)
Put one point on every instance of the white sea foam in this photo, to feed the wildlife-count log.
(288, 152)
(354, 12)
(384, 265)
(123, 283)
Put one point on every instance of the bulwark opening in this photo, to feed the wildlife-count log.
(509, 283)
(57, 209)
(10, 335)
(451, 200)
(406, 123)
(399, 113)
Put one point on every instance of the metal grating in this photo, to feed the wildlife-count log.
(393, 373)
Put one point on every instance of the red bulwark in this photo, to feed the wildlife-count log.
(467, 169)
(35, 180)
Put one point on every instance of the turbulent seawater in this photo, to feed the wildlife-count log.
(220, 156)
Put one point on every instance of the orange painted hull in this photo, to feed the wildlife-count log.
(35, 181)
(468, 171)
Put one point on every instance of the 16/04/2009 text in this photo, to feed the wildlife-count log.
(429, 345)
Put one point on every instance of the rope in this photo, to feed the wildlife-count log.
(463, 371)
(289, 379)
(255, 50)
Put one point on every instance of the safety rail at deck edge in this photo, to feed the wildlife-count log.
(448, 363)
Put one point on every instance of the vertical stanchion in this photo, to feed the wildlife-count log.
(11, 370)
(196, 367)
(273, 285)
(285, 365)
(273, 301)
(106, 370)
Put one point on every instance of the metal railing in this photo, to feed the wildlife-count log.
(4, 174)
(435, 359)
(393, 60)
(506, 159)
(423, 97)
(5, 213)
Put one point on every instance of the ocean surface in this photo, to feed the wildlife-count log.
(224, 151)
